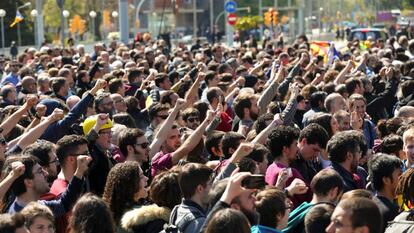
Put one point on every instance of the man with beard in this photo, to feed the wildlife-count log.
(236, 197)
(191, 118)
(283, 145)
(134, 145)
(166, 150)
(32, 184)
(384, 172)
(45, 152)
(246, 109)
(345, 152)
(68, 149)
(195, 182)
(104, 104)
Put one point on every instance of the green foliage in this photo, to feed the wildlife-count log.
(52, 11)
(248, 22)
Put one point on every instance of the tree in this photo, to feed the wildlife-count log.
(52, 11)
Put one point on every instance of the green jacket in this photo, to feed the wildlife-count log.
(296, 222)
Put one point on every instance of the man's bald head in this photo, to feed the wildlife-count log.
(29, 84)
(72, 101)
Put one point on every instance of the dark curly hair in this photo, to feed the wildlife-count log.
(91, 214)
(405, 187)
(121, 186)
(165, 191)
(282, 136)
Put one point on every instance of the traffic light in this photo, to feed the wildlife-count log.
(268, 17)
(275, 17)
(106, 19)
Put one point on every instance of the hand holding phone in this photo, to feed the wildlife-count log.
(254, 182)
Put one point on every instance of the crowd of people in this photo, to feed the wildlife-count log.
(208, 138)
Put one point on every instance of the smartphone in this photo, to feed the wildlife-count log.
(254, 182)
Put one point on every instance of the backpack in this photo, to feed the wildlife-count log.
(403, 223)
(179, 228)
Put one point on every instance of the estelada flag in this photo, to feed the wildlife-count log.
(19, 18)
(323, 48)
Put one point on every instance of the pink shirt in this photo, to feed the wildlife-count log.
(272, 173)
(161, 162)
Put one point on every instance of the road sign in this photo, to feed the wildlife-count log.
(230, 7)
(232, 18)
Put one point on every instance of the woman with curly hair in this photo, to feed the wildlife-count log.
(90, 215)
(165, 194)
(124, 186)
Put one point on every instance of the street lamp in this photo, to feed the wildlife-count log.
(137, 9)
(320, 20)
(65, 14)
(19, 38)
(2, 14)
(92, 14)
(306, 24)
(33, 13)
(115, 16)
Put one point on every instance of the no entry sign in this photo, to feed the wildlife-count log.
(232, 18)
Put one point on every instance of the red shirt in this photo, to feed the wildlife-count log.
(225, 122)
(58, 187)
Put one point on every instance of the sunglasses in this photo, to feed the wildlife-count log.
(143, 145)
(193, 119)
(163, 116)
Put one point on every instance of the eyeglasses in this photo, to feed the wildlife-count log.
(83, 153)
(119, 101)
(163, 116)
(3, 142)
(143, 145)
(56, 161)
(106, 132)
(192, 119)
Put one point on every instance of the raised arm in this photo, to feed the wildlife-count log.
(262, 136)
(192, 92)
(68, 198)
(12, 120)
(271, 90)
(17, 169)
(40, 112)
(31, 136)
(191, 142)
(257, 69)
(341, 76)
(166, 126)
(244, 149)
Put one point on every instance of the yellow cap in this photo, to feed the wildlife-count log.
(90, 122)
